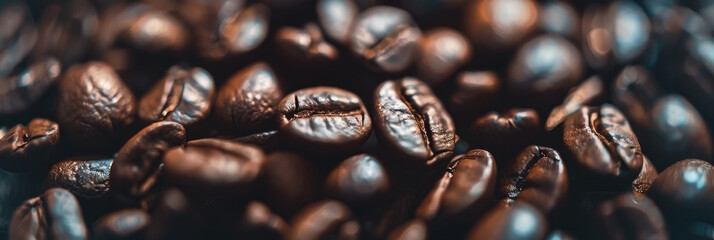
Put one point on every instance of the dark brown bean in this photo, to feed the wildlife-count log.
(53, 215)
(24, 148)
(318, 220)
(19, 92)
(520, 221)
(679, 131)
(538, 176)
(183, 96)
(305, 47)
(629, 216)
(516, 125)
(85, 177)
(358, 179)
(685, 189)
(289, 181)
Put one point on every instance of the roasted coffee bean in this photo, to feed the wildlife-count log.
(17, 37)
(686, 189)
(155, 30)
(544, 69)
(443, 51)
(205, 19)
(305, 47)
(488, 28)
(336, 18)
(586, 93)
(246, 30)
(634, 91)
(213, 165)
(23, 148)
(463, 192)
(556, 16)
(386, 38)
(616, 34)
(679, 131)
(124, 224)
(53, 215)
(19, 92)
(647, 176)
(85, 177)
(358, 179)
(66, 29)
(289, 181)
(412, 230)
(538, 176)
(516, 125)
(93, 105)
(173, 217)
(413, 124)
(603, 143)
(629, 216)
(520, 221)
(258, 222)
(183, 96)
(326, 118)
(318, 220)
(474, 92)
(137, 163)
(249, 99)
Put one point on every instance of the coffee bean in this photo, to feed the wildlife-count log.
(634, 91)
(464, 190)
(386, 38)
(685, 189)
(289, 181)
(156, 31)
(248, 100)
(123, 224)
(586, 93)
(358, 179)
(629, 216)
(603, 143)
(559, 17)
(647, 176)
(474, 92)
(614, 34)
(18, 36)
(137, 163)
(183, 96)
(258, 222)
(93, 105)
(305, 47)
(412, 230)
(318, 220)
(443, 51)
(336, 18)
(24, 148)
(489, 29)
(53, 215)
(204, 19)
(679, 130)
(520, 221)
(66, 29)
(538, 176)
(413, 124)
(266, 140)
(19, 92)
(85, 177)
(213, 165)
(246, 30)
(173, 217)
(516, 125)
(325, 118)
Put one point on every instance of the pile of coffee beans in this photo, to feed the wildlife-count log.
(356, 119)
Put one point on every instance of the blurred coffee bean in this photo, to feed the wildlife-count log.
(614, 34)
(25, 148)
(385, 38)
(289, 181)
(538, 176)
(603, 143)
(17, 37)
(634, 91)
(127, 224)
(336, 18)
(258, 222)
(647, 176)
(19, 92)
(544, 69)
(515, 126)
(443, 51)
(318, 220)
(474, 92)
(173, 217)
(205, 19)
(358, 179)
(685, 189)
(66, 30)
(679, 131)
(556, 16)
(85, 177)
(247, 102)
(325, 118)
(520, 221)
(586, 93)
(136, 165)
(697, 72)
(183, 96)
(463, 192)
(93, 106)
(412, 230)
(412, 123)
(156, 31)
(246, 30)
(213, 165)
(53, 215)
(629, 216)
(498, 25)
(305, 47)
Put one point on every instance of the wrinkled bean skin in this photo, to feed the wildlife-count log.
(249, 99)
(19, 92)
(183, 96)
(289, 181)
(125, 224)
(412, 230)
(685, 188)
(136, 164)
(520, 221)
(464, 191)
(680, 131)
(53, 215)
(213, 165)
(538, 176)
(358, 178)
(93, 105)
(629, 216)
(603, 143)
(586, 93)
(336, 18)
(23, 148)
(325, 118)
(317, 220)
(85, 177)
(412, 121)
